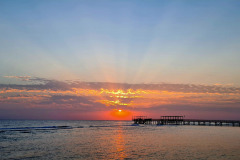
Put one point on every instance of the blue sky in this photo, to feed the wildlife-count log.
(121, 41)
(173, 57)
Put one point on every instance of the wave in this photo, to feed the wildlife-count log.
(46, 128)
(35, 128)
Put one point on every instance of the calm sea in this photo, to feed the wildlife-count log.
(115, 140)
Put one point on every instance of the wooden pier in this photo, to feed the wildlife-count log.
(179, 120)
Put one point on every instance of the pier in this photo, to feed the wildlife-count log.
(179, 120)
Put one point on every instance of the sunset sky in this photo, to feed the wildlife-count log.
(88, 59)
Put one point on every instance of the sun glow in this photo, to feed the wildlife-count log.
(120, 114)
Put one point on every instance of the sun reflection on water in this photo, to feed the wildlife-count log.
(119, 143)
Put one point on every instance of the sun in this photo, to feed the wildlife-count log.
(120, 114)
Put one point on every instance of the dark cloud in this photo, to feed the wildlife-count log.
(34, 112)
(208, 108)
(66, 99)
(42, 83)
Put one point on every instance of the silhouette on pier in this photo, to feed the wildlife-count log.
(179, 120)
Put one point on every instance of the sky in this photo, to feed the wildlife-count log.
(114, 59)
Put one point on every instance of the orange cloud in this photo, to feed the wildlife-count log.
(109, 98)
(129, 98)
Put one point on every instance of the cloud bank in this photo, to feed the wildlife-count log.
(52, 99)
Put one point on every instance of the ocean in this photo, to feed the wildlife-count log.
(27, 139)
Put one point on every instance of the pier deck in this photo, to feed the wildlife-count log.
(179, 120)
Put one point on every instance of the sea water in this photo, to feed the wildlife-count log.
(24, 139)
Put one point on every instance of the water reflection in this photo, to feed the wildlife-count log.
(120, 143)
(118, 140)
